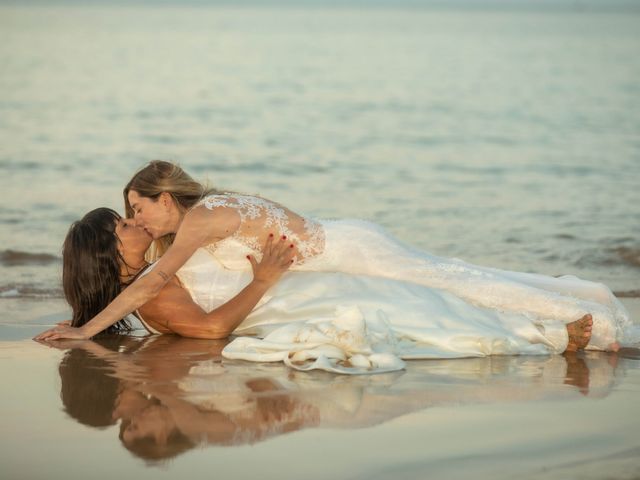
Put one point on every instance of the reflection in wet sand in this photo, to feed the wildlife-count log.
(171, 394)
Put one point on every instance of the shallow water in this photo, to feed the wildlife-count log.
(504, 137)
(166, 406)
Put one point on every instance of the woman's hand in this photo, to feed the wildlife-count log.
(277, 257)
(62, 331)
(64, 344)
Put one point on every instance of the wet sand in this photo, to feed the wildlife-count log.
(141, 407)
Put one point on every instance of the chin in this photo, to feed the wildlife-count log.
(154, 235)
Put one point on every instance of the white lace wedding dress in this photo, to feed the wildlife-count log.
(360, 300)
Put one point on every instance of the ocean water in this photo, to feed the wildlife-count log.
(505, 137)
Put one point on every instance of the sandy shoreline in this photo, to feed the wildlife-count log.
(499, 417)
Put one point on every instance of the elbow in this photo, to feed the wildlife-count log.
(219, 335)
(211, 330)
(218, 332)
(210, 334)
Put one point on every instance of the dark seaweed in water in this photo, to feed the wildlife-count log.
(627, 294)
(610, 256)
(13, 258)
(629, 255)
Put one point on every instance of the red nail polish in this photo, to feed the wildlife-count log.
(284, 237)
(271, 235)
(291, 246)
(248, 257)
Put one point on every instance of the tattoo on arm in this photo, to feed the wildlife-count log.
(164, 276)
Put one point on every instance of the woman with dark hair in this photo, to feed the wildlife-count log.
(332, 321)
(103, 253)
(94, 270)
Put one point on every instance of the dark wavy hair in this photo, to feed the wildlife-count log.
(91, 267)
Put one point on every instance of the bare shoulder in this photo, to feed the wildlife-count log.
(218, 221)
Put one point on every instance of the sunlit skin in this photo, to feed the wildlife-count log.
(158, 216)
(161, 216)
(173, 310)
(133, 242)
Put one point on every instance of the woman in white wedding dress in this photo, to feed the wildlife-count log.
(182, 216)
(337, 322)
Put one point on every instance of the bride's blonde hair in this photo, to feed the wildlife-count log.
(157, 177)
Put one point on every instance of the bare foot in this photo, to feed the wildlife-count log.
(579, 333)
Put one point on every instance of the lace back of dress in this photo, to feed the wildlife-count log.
(258, 215)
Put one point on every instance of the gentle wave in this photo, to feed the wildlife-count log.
(27, 291)
(628, 256)
(12, 258)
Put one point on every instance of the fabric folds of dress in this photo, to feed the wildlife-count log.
(368, 301)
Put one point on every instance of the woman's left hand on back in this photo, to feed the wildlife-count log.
(277, 257)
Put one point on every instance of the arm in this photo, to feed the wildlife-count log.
(174, 310)
(197, 229)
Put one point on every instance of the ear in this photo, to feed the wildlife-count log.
(166, 199)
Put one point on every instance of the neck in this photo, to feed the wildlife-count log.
(131, 267)
(177, 221)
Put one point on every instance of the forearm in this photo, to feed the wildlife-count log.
(228, 316)
(133, 297)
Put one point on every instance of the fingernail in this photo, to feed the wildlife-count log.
(284, 237)
(291, 246)
(248, 257)
(271, 235)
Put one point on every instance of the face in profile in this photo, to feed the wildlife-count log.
(132, 238)
(152, 214)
